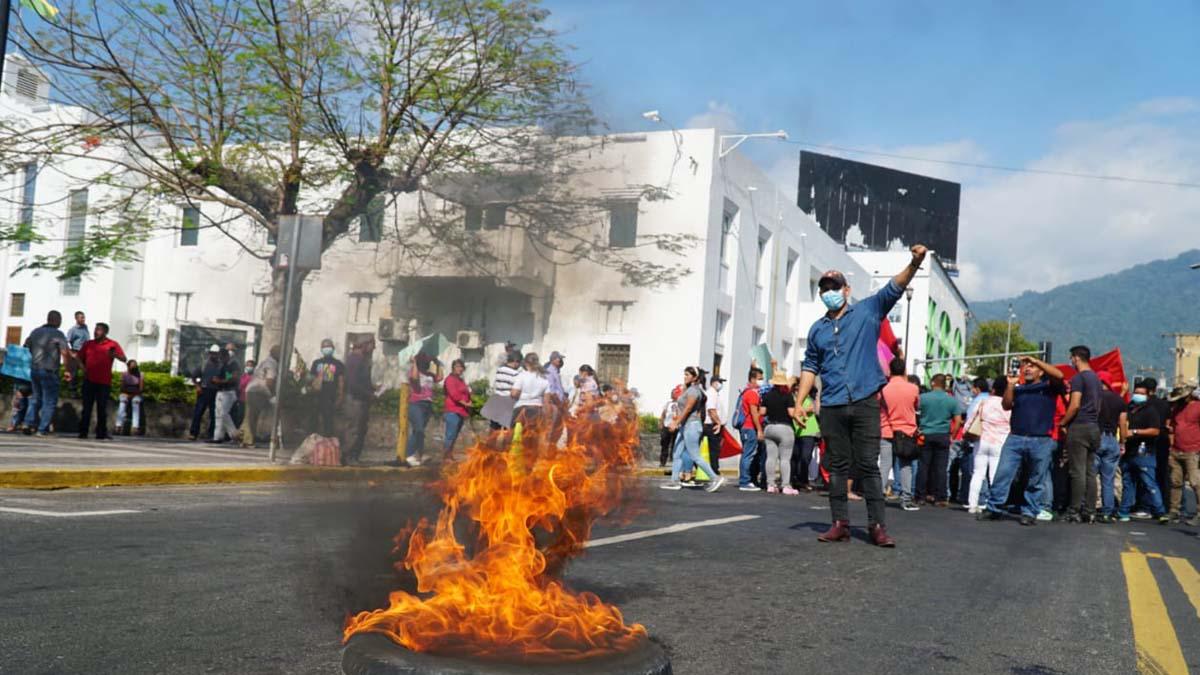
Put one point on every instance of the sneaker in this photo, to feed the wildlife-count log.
(1164, 519)
(671, 486)
(1104, 519)
(909, 506)
(413, 461)
(748, 488)
(1028, 521)
(1140, 515)
(973, 510)
(772, 490)
(1045, 516)
(688, 483)
(715, 484)
(43, 434)
(1122, 519)
(988, 514)
(789, 490)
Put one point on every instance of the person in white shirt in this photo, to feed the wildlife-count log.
(506, 374)
(531, 391)
(713, 422)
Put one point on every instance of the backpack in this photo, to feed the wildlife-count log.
(739, 415)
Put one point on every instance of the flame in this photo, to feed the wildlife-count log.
(503, 601)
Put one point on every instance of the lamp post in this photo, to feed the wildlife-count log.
(908, 293)
(1008, 340)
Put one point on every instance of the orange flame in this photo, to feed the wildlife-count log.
(502, 602)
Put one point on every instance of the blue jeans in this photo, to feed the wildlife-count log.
(688, 442)
(419, 413)
(749, 447)
(1106, 466)
(45, 399)
(1036, 451)
(1139, 466)
(454, 423)
(962, 453)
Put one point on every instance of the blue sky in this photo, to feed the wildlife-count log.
(1103, 87)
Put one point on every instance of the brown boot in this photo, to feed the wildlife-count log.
(839, 532)
(879, 536)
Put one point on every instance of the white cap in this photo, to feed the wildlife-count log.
(214, 349)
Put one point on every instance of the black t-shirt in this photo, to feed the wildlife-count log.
(230, 372)
(330, 372)
(1144, 416)
(1111, 407)
(1163, 408)
(1087, 383)
(777, 402)
(212, 369)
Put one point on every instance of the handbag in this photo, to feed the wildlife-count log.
(975, 429)
(904, 446)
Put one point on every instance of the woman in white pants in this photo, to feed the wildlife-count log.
(995, 420)
(779, 435)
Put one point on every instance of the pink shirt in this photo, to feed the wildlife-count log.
(458, 395)
(421, 385)
(898, 407)
(995, 420)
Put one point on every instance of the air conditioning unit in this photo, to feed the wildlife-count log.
(145, 327)
(388, 332)
(469, 339)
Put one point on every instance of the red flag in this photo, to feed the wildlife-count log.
(1110, 363)
(731, 444)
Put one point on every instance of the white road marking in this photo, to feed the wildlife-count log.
(670, 529)
(1138, 534)
(73, 514)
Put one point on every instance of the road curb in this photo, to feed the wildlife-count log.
(58, 479)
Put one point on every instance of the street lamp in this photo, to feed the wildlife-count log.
(1008, 340)
(908, 293)
(738, 139)
(1195, 266)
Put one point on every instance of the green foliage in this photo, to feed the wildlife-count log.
(648, 424)
(990, 338)
(154, 366)
(160, 388)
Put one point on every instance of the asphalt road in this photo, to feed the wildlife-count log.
(258, 579)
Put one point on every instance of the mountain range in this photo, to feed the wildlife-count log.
(1131, 309)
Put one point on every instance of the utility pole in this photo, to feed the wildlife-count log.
(1008, 340)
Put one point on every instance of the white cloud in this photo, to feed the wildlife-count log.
(1033, 232)
(1174, 105)
(717, 115)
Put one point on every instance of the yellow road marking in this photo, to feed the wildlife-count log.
(1158, 650)
(1188, 578)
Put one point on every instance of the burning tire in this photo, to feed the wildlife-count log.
(374, 654)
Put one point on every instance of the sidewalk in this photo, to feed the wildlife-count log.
(64, 461)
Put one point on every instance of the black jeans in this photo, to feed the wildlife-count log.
(852, 439)
(666, 439)
(1083, 441)
(935, 455)
(802, 459)
(358, 413)
(713, 434)
(327, 416)
(95, 395)
(205, 400)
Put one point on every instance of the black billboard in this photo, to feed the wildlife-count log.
(885, 204)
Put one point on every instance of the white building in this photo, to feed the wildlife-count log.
(933, 316)
(752, 274)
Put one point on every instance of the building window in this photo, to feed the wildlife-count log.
(27, 83)
(613, 314)
(180, 304)
(12, 335)
(77, 207)
(260, 304)
(722, 325)
(612, 363)
(362, 308)
(491, 217)
(726, 232)
(789, 272)
(16, 304)
(787, 355)
(28, 198)
(756, 337)
(370, 224)
(189, 228)
(622, 224)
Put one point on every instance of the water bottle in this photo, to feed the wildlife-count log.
(1141, 448)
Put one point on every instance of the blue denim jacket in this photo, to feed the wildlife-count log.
(843, 352)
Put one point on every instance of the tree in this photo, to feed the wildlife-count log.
(259, 109)
(990, 338)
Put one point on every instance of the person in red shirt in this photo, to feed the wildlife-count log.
(751, 431)
(898, 403)
(97, 356)
(457, 407)
(1184, 459)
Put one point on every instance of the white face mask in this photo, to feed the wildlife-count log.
(717, 386)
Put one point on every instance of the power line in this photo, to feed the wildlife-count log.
(997, 167)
